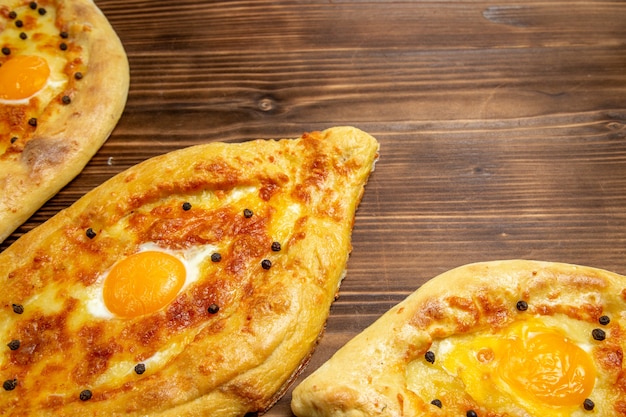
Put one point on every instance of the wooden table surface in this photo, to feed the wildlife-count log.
(502, 125)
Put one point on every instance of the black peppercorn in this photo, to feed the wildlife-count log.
(33, 5)
(266, 264)
(247, 213)
(14, 139)
(430, 356)
(588, 404)
(17, 308)
(32, 121)
(598, 334)
(6, 51)
(19, 23)
(90, 233)
(78, 75)
(63, 46)
(66, 99)
(14, 344)
(186, 206)
(64, 35)
(9, 384)
(23, 36)
(276, 246)
(140, 368)
(436, 403)
(12, 15)
(85, 395)
(522, 305)
(604, 320)
(471, 413)
(42, 11)
(213, 308)
(216, 257)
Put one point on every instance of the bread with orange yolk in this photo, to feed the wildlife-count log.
(195, 283)
(64, 80)
(502, 338)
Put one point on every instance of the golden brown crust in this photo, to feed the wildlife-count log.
(461, 303)
(67, 136)
(302, 193)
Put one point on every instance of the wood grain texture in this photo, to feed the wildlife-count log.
(502, 125)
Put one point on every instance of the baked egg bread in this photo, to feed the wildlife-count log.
(503, 338)
(64, 79)
(194, 283)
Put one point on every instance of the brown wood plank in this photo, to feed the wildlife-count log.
(502, 126)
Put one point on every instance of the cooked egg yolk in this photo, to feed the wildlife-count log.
(550, 369)
(23, 76)
(143, 283)
(529, 363)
